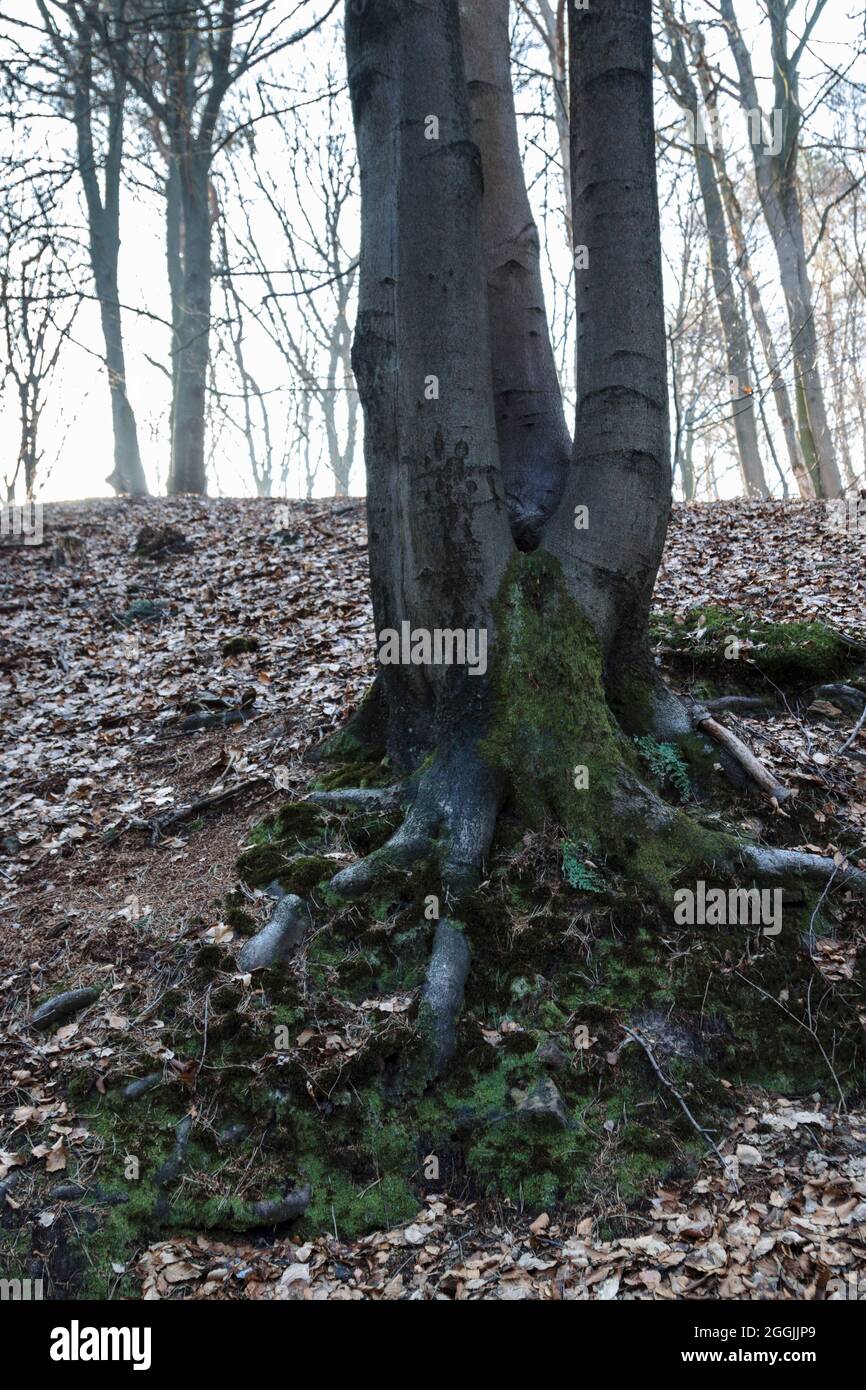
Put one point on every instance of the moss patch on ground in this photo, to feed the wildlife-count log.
(746, 650)
(310, 1074)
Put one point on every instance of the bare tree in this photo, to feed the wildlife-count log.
(305, 300)
(37, 309)
(779, 191)
(187, 56)
(675, 69)
(80, 71)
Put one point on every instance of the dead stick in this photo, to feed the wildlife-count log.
(745, 757)
(704, 1133)
(852, 737)
(204, 803)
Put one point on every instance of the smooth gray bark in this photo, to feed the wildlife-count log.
(534, 444)
(621, 467)
(438, 528)
(191, 322)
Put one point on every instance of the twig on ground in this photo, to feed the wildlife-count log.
(744, 756)
(669, 1085)
(807, 1028)
(193, 808)
(854, 734)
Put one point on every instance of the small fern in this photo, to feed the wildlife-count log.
(666, 765)
(579, 874)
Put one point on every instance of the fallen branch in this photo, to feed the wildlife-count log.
(855, 732)
(744, 756)
(193, 808)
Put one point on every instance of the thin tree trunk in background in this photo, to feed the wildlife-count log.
(734, 329)
(778, 189)
(741, 251)
(534, 443)
(103, 210)
(835, 358)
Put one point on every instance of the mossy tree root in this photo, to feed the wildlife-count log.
(450, 820)
(442, 997)
(786, 864)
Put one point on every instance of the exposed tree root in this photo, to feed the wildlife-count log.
(358, 799)
(738, 704)
(450, 820)
(785, 864)
(276, 942)
(843, 694)
(442, 998)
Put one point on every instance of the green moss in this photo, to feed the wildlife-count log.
(744, 648)
(296, 873)
(552, 718)
(237, 646)
(373, 774)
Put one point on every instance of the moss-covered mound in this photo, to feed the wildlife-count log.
(744, 649)
(314, 1073)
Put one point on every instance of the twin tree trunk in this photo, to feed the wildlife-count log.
(468, 460)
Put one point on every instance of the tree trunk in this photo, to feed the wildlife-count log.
(192, 334)
(778, 189)
(128, 475)
(734, 330)
(438, 530)
(621, 469)
(781, 397)
(103, 224)
(534, 444)
(442, 555)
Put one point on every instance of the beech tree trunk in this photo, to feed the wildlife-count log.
(621, 469)
(465, 440)
(534, 444)
(103, 221)
(191, 327)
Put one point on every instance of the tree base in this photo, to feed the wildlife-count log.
(548, 1035)
(322, 1097)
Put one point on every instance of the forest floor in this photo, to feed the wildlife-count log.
(111, 660)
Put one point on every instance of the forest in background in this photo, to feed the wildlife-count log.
(179, 233)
